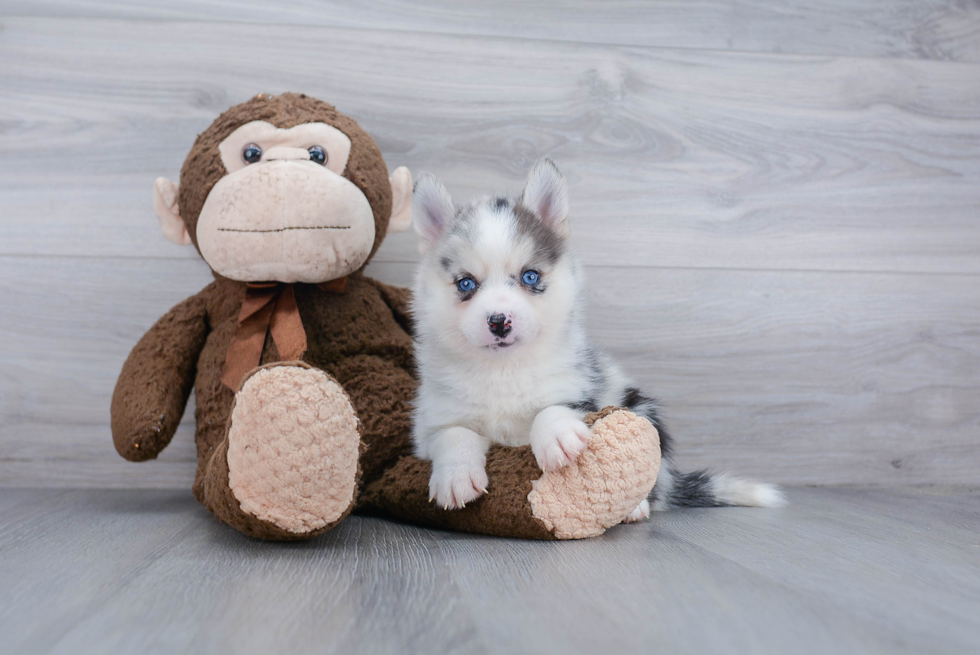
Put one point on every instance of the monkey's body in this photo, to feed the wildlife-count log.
(286, 193)
(361, 342)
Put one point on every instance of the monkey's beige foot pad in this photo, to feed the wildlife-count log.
(293, 447)
(610, 478)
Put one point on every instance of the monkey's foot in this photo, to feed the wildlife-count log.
(609, 480)
(288, 466)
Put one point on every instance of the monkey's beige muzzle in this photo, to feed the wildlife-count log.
(286, 220)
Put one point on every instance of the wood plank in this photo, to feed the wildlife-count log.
(804, 378)
(935, 29)
(632, 591)
(158, 565)
(876, 567)
(11, 498)
(667, 563)
(828, 379)
(113, 538)
(95, 571)
(676, 158)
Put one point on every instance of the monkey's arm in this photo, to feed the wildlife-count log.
(399, 300)
(156, 381)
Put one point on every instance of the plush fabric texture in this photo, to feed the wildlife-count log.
(293, 448)
(354, 337)
(275, 199)
(269, 309)
(505, 511)
(609, 479)
(156, 381)
(217, 495)
(336, 143)
(203, 168)
(303, 443)
(607, 482)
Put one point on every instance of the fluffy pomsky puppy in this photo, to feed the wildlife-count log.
(503, 356)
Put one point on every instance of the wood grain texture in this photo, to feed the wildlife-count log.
(785, 248)
(798, 377)
(932, 29)
(675, 157)
(839, 571)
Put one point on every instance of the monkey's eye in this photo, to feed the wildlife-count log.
(318, 155)
(251, 153)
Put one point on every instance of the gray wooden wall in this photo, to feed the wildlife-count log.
(778, 203)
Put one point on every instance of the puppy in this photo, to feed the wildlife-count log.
(503, 356)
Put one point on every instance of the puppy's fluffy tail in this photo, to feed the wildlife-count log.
(703, 489)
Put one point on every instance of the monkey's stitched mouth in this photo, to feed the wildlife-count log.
(283, 229)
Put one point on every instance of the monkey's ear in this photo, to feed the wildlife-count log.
(165, 205)
(545, 195)
(401, 200)
(432, 210)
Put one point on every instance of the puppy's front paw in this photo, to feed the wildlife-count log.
(559, 443)
(452, 486)
(641, 513)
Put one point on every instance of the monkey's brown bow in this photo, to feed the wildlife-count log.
(269, 307)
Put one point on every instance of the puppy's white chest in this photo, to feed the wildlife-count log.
(504, 403)
(507, 410)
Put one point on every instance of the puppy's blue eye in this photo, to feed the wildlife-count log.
(466, 284)
(530, 278)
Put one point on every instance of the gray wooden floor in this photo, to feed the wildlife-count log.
(149, 571)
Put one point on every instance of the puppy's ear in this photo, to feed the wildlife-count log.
(432, 210)
(545, 195)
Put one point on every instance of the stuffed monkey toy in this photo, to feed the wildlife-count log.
(302, 366)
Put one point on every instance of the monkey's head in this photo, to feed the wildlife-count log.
(284, 188)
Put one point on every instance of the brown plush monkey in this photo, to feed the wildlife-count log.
(303, 366)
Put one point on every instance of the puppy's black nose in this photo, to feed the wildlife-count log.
(499, 325)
